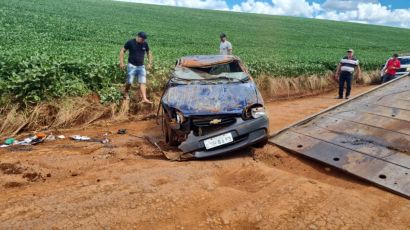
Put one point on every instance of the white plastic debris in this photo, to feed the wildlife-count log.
(27, 141)
(80, 138)
(51, 137)
(105, 141)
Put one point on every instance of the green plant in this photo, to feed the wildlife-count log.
(46, 55)
(110, 94)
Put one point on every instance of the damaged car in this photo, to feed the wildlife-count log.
(212, 106)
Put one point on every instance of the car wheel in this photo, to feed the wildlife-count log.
(171, 137)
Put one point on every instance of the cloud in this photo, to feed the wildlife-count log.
(371, 13)
(201, 4)
(343, 5)
(358, 11)
(278, 7)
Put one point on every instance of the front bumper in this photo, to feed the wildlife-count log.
(399, 74)
(244, 133)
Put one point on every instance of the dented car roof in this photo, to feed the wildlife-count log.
(197, 61)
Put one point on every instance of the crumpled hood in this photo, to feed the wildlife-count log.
(200, 99)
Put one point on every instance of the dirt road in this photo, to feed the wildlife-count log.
(128, 185)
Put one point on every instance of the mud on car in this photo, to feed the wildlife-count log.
(211, 106)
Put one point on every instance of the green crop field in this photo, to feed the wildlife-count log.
(57, 48)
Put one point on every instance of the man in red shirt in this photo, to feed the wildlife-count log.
(391, 68)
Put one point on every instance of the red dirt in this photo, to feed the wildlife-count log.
(127, 184)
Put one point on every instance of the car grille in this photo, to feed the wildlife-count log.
(402, 70)
(213, 121)
(205, 125)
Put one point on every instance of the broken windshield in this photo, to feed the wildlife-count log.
(228, 71)
(232, 67)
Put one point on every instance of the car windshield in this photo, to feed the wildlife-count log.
(229, 71)
(232, 67)
(405, 61)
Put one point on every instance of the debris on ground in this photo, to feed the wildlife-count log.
(32, 140)
(80, 138)
(173, 155)
(37, 140)
(105, 140)
(122, 131)
(10, 141)
(41, 135)
(51, 137)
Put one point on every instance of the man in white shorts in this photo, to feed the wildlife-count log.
(137, 48)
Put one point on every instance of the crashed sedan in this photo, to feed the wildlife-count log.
(211, 106)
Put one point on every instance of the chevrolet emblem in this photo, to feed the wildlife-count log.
(215, 121)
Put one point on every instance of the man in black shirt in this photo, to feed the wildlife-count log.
(137, 48)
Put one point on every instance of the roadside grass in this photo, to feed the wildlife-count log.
(71, 112)
(82, 111)
(285, 87)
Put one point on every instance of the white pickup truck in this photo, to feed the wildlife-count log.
(404, 66)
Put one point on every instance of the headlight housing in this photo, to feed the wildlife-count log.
(180, 117)
(258, 112)
(253, 111)
(408, 69)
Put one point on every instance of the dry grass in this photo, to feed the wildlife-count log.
(285, 87)
(11, 119)
(57, 114)
(67, 113)
(80, 112)
(124, 110)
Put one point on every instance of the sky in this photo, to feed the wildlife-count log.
(379, 12)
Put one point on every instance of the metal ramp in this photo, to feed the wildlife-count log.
(368, 136)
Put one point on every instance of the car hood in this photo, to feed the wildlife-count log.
(199, 99)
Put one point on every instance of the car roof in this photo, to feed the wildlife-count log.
(196, 61)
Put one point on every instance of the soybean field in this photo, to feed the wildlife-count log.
(52, 49)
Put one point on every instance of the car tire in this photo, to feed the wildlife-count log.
(171, 137)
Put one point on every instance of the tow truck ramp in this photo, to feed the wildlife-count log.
(368, 136)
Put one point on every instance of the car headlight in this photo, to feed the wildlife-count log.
(408, 69)
(180, 117)
(258, 112)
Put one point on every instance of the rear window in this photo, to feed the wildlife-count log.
(404, 61)
(232, 67)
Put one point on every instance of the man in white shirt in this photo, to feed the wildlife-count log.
(345, 72)
(225, 48)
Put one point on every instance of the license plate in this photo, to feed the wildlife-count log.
(218, 141)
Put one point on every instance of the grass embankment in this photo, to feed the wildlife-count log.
(54, 50)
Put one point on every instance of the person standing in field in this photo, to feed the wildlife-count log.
(345, 72)
(225, 48)
(391, 68)
(137, 48)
